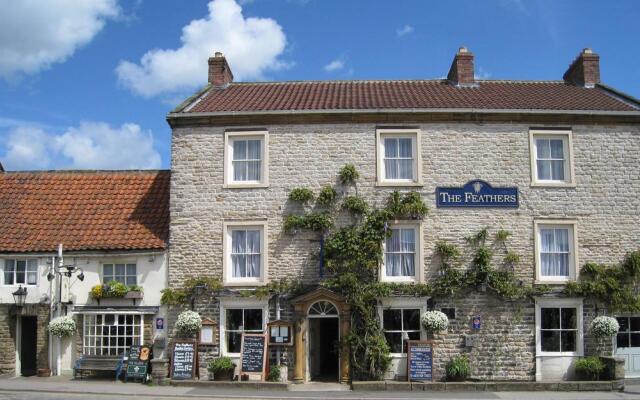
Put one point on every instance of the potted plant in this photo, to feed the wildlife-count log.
(135, 292)
(434, 321)
(189, 323)
(458, 369)
(603, 328)
(221, 368)
(589, 368)
(62, 327)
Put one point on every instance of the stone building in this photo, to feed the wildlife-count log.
(112, 226)
(569, 148)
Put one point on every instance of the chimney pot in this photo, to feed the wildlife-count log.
(219, 71)
(584, 70)
(461, 72)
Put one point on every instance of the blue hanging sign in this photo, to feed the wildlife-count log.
(477, 193)
(476, 322)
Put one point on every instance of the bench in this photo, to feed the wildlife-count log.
(88, 364)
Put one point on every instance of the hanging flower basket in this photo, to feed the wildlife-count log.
(62, 327)
(434, 321)
(603, 327)
(189, 322)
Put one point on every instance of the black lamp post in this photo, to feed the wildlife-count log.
(19, 296)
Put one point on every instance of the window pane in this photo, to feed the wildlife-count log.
(392, 320)
(544, 169)
(21, 267)
(238, 241)
(120, 270)
(9, 268)
(253, 170)
(390, 147)
(253, 319)
(635, 323)
(557, 170)
(624, 323)
(234, 342)
(404, 148)
(239, 170)
(550, 340)
(108, 272)
(568, 341)
(239, 149)
(234, 319)
(411, 320)
(622, 340)
(239, 266)
(131, 280)
(542, 148)
(550, 318)
(254, 149)
(568, 318)
(405, 169)
(394, 340)
(32, 278)
(391, 169)
(131, 269)
(557, 148)
(635, 340)
(394, 241)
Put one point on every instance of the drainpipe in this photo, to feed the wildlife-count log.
(51, 311)
(277, 319)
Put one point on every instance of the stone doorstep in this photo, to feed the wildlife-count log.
(490, 386)
(231, 384)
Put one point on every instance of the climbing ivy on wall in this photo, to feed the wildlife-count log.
(613, 286)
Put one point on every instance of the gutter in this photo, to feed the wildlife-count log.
(96, 253)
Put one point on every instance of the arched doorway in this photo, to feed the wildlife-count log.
(326, 313)
(323, 342)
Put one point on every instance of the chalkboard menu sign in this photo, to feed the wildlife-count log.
(183, 360)
(134, 352)
(253, 354)
(137, 369)
(419, 360)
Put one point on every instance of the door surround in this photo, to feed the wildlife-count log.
(302, 305)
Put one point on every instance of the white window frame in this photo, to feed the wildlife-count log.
(419, 261)
(86, 339)
(26, 278)
(569, 173)
(403, 303)
(414, 134)
(235, 304)
(229, 138)
(113, 263)
(227, 265)
(572, 225)
(560, 303)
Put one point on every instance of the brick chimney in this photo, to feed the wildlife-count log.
(461, 72)
(584, 70)
(219, 72)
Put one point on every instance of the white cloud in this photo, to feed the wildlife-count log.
(34, 34)
(405, 30)
(252, 47)
(334, 65)
(92, 145)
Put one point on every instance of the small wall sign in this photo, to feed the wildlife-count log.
(477, 193)
(476, 322)
(159, 323)
(208, 332)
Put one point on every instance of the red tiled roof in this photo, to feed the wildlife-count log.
(91, 210)
(419, 94)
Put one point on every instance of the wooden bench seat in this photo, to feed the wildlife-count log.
(88, 364)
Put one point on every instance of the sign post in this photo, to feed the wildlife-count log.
(254, 355)
(184, 360)
(419, 361)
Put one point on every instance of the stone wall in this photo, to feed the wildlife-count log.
(604, 202)
(8, 335)
(7, 341)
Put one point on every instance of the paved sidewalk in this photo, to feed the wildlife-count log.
(66, 388)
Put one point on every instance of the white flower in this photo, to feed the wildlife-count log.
(604, 327)
(189, 322)
(62, 326)
(434, 321)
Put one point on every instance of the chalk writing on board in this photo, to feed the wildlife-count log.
(419, 361)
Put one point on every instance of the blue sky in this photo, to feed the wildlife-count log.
(88, 84)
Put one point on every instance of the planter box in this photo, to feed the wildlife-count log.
(134, 295)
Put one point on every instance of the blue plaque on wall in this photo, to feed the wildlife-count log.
(477, 193)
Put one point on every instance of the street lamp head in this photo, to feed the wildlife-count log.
(50, 276)
(81, 276)
(20, 295)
